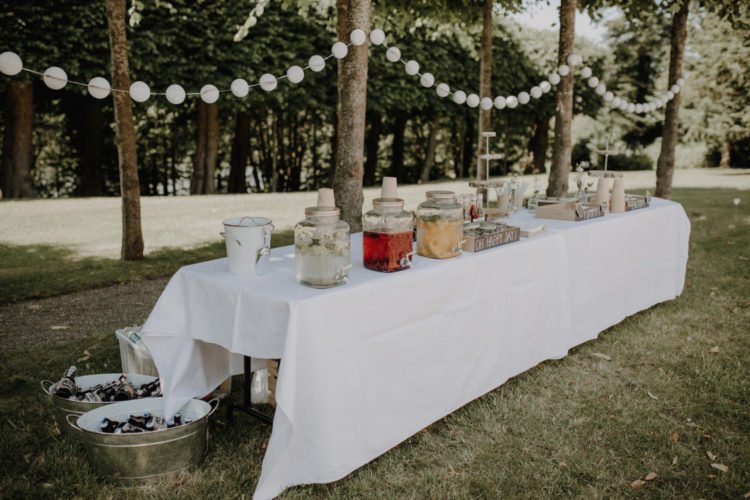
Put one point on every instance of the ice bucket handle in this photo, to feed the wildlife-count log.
(49, 386)
(227, 235)
(73, 425)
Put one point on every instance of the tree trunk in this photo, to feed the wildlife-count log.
(468, 154)
(18, 149)
(397, 157)
(485, 84)
(429, 161)
(240, 153)
(538, 144)
(132, 238)
(352, 96)
(91, 148)
(373, 141)
(665, 164)
(206, 150)
(726, 155)
(563, 148)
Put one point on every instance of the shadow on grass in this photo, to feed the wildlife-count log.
(35, 271)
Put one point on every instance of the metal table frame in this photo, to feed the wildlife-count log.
(246, 404)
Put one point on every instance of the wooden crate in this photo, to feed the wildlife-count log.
(477, 240)
(636, 201)
(569, 210)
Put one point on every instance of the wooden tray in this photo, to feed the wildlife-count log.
(569, 210)
(636, 201)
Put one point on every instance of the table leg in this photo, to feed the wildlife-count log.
(246, 405)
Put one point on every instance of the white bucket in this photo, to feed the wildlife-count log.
(248, 241)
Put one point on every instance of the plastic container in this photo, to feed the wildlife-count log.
(440, 226)
(321, 248)
(143, 456)
(134, 355)
(387, 237)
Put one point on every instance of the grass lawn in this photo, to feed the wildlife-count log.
(667, 391)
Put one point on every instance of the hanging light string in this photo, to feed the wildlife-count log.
(99, 88)
(56, 78)
(460, 97)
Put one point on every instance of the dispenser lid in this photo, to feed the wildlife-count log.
(388, 203)
(440, 195)
(326, 198)
(389, 188)
(322, 212)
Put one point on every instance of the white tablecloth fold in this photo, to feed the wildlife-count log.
(367, 365)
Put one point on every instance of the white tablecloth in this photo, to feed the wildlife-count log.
(368, 364)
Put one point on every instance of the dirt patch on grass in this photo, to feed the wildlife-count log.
(57, 320)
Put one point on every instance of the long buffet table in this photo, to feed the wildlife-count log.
(366, 365)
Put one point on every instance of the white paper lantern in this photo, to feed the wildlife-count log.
(358, 37)
(393, 54)
(670, 95)
(175, 94)
(545, 86)
(295, 74)
(681, 82)
(639, 108)
(572, 60)
(55, 78)
(10, 63)
(631, 107)
(427, 80)
(339, 50)
(377, 37)
(524, 97)
(412, 67)
(140, 92)
(99, 87)
(459, 97)
(563, 70)
(586, 72)
(608, 96)
(624, 106)
(511, 101)
(675, 88)
(554, 78)
(593, 82)
(600, 89)
(268, 82)
(316, 63)
(443, 90)
(500, 102)
(240, 87)
(472, 100)
(536, 92)
(616, 102)
(209, 94)
(486, 103)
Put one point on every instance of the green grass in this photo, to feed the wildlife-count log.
(580, 427)
(34, 271)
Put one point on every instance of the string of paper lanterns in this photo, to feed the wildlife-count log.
(56, 78)
(99, 88)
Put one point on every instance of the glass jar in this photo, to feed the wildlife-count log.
(321, 248)
(388, 235)
(440, 225)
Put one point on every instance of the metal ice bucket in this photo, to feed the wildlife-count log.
(144, 456)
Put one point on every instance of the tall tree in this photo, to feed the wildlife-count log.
(206, 150)
(352, 91)
(132, 237)
(15, 180)
(240, 153)
(485, 82)
(665, 164)
(563, 147)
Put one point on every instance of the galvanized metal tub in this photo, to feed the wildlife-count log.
(144, 456)
(62, 407)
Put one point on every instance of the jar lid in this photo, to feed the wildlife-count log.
(441, 195)
(388, 203)
(247, 221)
(322, 212)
